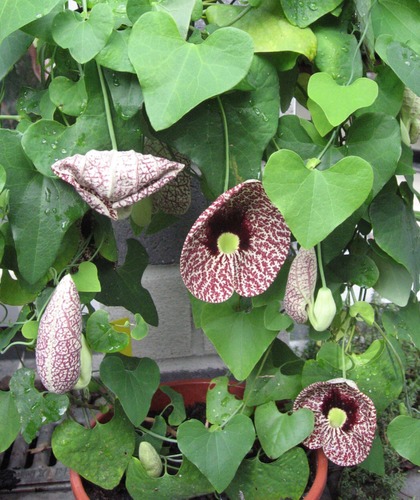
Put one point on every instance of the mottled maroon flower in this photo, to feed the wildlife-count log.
(345, 420)
(238, 244)
(300, 285)
(111, 181)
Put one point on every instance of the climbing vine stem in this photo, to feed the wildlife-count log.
(107, 109)
(226, 134)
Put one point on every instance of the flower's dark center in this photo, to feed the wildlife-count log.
(228, 231)
(340, 409)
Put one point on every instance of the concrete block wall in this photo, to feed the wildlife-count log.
(176, 345)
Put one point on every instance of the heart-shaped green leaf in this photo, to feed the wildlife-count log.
(134, 381)
(315, 202)
(180, 11)
(176, 75)
(338, 102)
(220, 403)
(86, 278)
(285, 478)
(240, 338)
(84, 37)
(100, 454)
(249, 130)
(404, 435)
(70, 97)
(224, 448)
(101, 336)
(279, 432)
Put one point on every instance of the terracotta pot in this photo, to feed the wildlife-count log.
(194, 391)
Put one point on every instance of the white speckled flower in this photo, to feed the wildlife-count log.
(59, 339)
(300, 285)
(239, 243)
(345, 420)
(112, 181)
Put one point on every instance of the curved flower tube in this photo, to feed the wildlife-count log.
(239, 243)
(300, 285)
(110, 181)
(59, 341)
(345, 420)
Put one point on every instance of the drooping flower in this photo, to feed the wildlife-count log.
(345, 420)
(300, 285)
(239, 243)
(111, 181)
(59, 343)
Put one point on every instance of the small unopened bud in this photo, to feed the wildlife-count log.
(322, 312)
(85, 365)
(150, 459)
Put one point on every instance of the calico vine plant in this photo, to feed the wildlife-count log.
(293, 123)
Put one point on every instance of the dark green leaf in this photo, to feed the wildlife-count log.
(188, 482)
(12, 48)
(396, 232)
(285, 478)
(376, 138)
(41, 210)
(101, 454)
(101, 336)
(9, 417)
(356, 269)
(35, 408)
(134, 381)
(121, 286)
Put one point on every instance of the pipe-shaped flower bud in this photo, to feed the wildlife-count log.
(322, 312)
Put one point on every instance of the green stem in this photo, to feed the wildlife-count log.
(239, 16)
(226, 134)
(275, 144)
(320, 265)
(10, 117)
(158, 436)
(27, 344)
(343, 359)
(260, 368)
(107, 109)
(327, 146)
